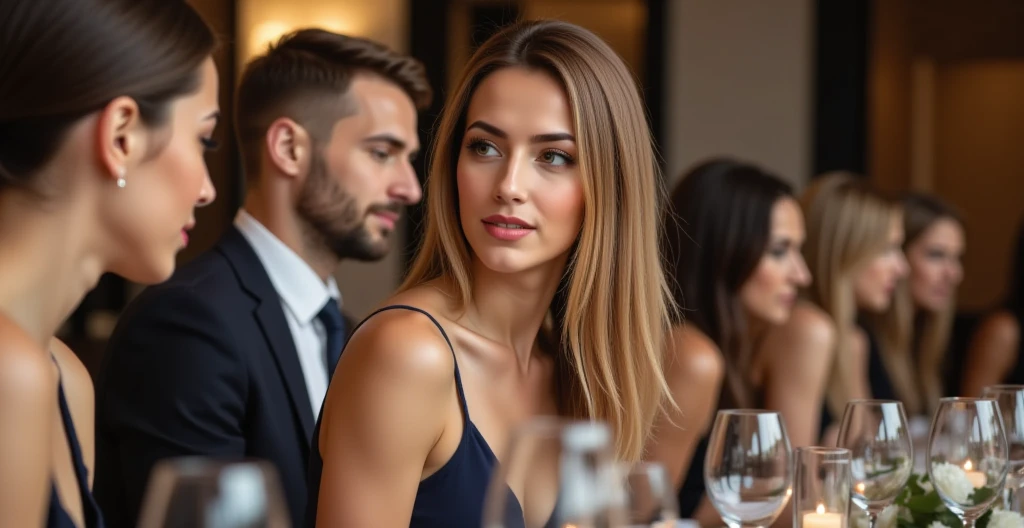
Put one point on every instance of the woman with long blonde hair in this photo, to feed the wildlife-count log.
(916, 329)
(538, 290)
(853, 249)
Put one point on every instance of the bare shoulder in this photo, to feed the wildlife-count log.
(27, 377)
(402, 344)
(809, 328)
(694, 354)
(25, 369)
(73, 374)
(1000, 327)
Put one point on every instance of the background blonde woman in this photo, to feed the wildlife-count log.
(854, 252)
(538, 291)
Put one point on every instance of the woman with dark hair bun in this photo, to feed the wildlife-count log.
(106, 108)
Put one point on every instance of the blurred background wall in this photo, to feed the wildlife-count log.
(914, 94)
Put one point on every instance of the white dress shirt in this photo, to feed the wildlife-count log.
(302, 294)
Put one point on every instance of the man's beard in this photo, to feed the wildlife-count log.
(333, 219)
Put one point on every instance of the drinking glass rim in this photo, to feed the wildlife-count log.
(746, 412)
(965, 399)
(1004, 387)
(822, 450)
(873, 401)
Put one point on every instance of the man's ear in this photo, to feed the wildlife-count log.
(121, 137)
(288, 147)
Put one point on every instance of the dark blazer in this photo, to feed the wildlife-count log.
(203, 364)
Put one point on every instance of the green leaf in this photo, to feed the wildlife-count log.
(949, 519)
(983, 521)
(981, 495)
(929, 503)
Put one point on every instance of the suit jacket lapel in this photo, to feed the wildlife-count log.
(272, 322)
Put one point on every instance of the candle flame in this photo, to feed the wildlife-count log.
(860, 487)
(820, 509)
(968, 466)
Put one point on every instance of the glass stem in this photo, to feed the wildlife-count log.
(1010, 502)
(872, 519)
(968, 522)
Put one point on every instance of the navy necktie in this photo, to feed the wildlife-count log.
(334, 326)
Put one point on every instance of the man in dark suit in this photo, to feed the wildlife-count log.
(231, 357)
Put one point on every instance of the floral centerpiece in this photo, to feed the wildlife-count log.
(919, 505)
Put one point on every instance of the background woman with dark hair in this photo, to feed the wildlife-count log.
(106, 107)
(733, 238)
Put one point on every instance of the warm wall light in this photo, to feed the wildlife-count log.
(266, 33)
(262, 22)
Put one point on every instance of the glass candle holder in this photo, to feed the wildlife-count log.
(821, 497)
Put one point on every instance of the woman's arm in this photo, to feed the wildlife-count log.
(798, 359)
(28, 403)
(992, 353)
(694, 370)
(384, 413)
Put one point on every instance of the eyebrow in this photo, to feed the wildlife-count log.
(215, 115)
(539, 138)
(391, 140)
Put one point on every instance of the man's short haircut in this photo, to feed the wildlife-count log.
(306, 77)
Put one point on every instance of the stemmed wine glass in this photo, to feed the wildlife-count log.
(748, 471)
(565, 473)
(1011, 404)
(881, 453)
(194, 492)
(967, 455)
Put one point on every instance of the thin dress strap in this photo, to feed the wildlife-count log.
(458, 378)
(90, 510)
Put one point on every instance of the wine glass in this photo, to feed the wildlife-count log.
(747, 471)
(195, 492)
(565, 473)
(881, 453)
(1011, 404)
(967, 455)
(650, 495)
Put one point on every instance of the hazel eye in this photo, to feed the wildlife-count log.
(556, 158)
(483, 149)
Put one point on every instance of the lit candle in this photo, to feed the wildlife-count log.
(976, 478)
(822, 519)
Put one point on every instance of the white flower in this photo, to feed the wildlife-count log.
(1005, 519)
(937, 524)
(926, 485)
(951, 480)
(886, 519)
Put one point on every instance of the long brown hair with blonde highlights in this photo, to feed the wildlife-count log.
(611, 313)
(848, 223)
